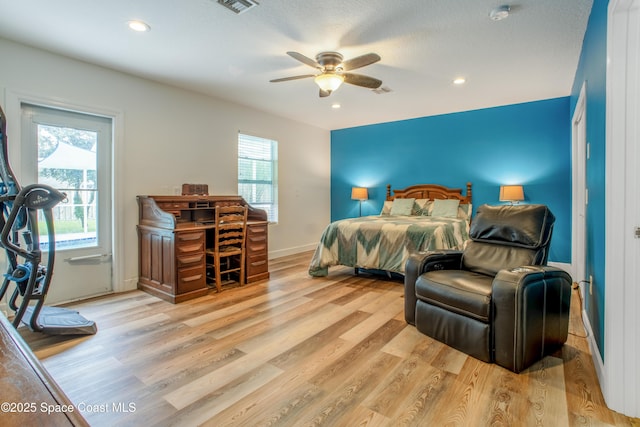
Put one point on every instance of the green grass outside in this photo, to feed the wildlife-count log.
(67, 227)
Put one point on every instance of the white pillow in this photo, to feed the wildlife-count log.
(402, 207)
(447, 208)
(386, 208)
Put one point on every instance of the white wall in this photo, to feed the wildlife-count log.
(166, 136)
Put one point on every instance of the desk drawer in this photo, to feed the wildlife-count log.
(190, 241)
(189, 237)
(257, 264)
(255, 230)
(194, 260)
(257, 247)
(191, 279)
(257, 242)
(172, 206)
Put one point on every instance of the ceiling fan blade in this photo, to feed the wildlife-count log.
(305, 60)
(360, 61)
(284, 79)
(361, 80)
(324, 93)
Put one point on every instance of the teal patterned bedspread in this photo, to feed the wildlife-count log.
(384, 242)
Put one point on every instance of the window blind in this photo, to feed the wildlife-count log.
(258, 173)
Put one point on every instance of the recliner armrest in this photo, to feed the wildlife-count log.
(422, 262)
(530, 306)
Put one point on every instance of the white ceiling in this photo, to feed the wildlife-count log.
(424, 45)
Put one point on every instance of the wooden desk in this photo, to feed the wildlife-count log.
(30, 397)
(172, 238)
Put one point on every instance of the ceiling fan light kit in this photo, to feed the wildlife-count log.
(329, 82)
(334, 71)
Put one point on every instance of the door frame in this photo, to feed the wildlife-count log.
(97, 272)
(15, 98)
(620, 378)
(578, 191)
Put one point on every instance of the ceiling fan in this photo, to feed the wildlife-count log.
(333, 71)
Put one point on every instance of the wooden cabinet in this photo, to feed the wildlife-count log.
(172, 239)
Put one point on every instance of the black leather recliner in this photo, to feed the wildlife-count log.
(497, 300)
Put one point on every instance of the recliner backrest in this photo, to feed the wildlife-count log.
(508, 236)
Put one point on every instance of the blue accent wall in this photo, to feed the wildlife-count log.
(528, 144)
(592, 69)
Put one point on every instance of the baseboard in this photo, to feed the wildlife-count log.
(598, 363)
(127, 285)
(292, 251)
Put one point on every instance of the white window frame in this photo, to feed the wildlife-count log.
(259, 144)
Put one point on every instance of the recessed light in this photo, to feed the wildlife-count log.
(335, 106)
(500, 13)
(459, 81)
(139, 26)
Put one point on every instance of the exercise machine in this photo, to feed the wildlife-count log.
(20, 238)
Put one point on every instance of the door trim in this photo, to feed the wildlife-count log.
(621, 382)
(13, 101)
(579, 162)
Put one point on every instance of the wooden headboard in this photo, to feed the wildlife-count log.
(431, 192)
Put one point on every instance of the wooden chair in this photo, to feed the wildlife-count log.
(228, 252)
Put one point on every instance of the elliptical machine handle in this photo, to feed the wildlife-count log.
(34, 196)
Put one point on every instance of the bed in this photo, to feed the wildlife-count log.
(418, 218)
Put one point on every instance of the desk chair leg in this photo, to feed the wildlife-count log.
(218, 275)
(242, 272)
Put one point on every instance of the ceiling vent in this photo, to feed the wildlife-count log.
(238, 6)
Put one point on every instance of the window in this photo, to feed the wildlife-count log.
(69, 151)
(258, 173)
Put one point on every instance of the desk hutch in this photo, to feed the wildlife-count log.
(173, 234)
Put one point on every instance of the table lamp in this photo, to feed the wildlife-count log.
(360, 194)
(511, 193)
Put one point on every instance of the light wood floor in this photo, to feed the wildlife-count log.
(302, 351)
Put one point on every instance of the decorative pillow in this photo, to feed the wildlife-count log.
(447, 208)
(386, 208)
(428, 208)
(465, 211)
(419, 207)
(402, 207)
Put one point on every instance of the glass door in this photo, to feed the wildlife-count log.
(72, 153)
